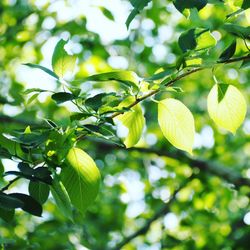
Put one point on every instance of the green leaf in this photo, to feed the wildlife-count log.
(134, 121)
(181, 5)
(245, 4)
(187, 40)
(30, 205)
(8, 202)
(4, 153)
(226, 106)
(205, 40)
(107, 13)
(7, 215)
(177, 123)
(62, 62)
(245, 64)
(48, 71)
(161, 74)
(39, 191)
(61, 97)
(81, 178)
(61, 197)
(28, 91)
(138, 6)
(129, 78)
(228, 52)
(242, 32)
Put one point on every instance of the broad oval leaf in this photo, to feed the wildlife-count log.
(39, 191)
(62, 62)
(134, 121)
(226, 106)
(81, 178)
(177, 123)
(61, 97)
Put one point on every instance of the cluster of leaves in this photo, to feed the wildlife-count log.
(49, 159)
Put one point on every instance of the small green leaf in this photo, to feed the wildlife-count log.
(4, 153)
(7, 215)
(138, 6)
(107, 13)
(81, 178)
(177, 123)
(28, 91)
(62, 62)
(129, 78)
(61, 198)
(61, 97)
(245, 64)
(226, 106)
(228, 52)
(187, 40)
(134, 121)
(48, 71)
(205, 40)
(39, 191)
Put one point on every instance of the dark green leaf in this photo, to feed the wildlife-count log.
(138, 6)
(246, 4)
(187, 40)
(9, 202)
(107, 13)
(4, 153)
(181, 5)
(7, 214)
(79, 116)
(25, 168)
(61, 97)
(48, 71)
(39, 191)
(245, 64)
(30, 205)
(228, 52)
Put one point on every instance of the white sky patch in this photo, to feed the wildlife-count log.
(171, 221)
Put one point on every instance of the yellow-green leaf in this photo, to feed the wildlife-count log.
(62, 62)
(81, 178)
(134, 121)
(205, 41)
(226, 106)
(177, 123)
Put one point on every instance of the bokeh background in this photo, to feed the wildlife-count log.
(211, 207)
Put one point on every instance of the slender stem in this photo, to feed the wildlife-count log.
(172, 81)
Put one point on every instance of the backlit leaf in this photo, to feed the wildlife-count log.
(226, 106)
(81, 178)
(134, 121)
(62, 62)
(177, 123)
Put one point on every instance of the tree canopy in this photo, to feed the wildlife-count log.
(124, 124)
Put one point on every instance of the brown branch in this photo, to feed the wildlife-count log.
(144, 229)
(172, 81)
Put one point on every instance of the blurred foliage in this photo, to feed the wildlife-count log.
(211, 207)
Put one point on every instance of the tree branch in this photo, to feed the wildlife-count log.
(171, 82)
(144, 229)
(213, 168)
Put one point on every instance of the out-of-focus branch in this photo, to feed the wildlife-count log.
(144, 229)
(225, 173)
